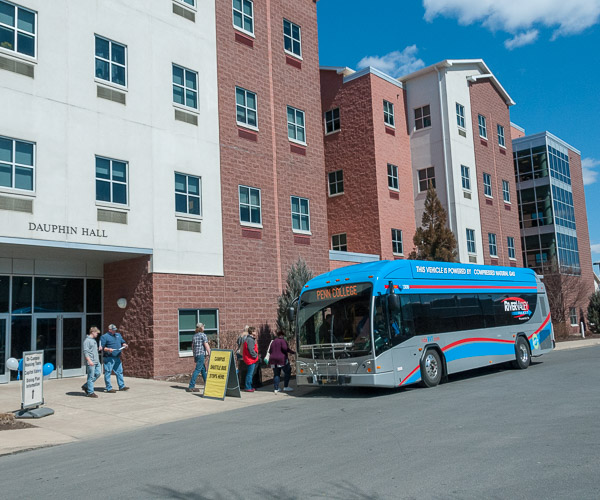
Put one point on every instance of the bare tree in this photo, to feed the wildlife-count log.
(565, 290)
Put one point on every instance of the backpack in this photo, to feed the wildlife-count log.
(240, 343)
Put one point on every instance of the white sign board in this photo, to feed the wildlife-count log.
(33, 392)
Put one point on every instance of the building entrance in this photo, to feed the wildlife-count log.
(60, 336)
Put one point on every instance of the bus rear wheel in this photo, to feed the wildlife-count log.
(523, 355)
(431, 368)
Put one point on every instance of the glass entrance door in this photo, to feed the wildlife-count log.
(4, 354)
(60, 336)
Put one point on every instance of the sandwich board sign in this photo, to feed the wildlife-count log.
(32, 392)
(221, 379)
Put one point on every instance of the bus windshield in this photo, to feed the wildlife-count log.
(336, 320)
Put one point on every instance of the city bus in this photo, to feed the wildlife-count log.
(395, 323)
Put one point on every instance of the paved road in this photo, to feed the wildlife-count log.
(492, 433)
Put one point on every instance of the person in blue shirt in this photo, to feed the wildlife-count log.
(112, 343)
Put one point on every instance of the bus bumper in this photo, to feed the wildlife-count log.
(385, 379)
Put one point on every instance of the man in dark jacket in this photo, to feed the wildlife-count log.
(112, 343)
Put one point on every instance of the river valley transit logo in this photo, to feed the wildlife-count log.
(518, 307)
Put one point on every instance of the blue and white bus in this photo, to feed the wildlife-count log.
(394, 323)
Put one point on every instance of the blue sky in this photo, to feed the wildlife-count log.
(546, 54)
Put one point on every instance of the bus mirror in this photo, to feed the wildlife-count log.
(291, 314)
(393, 301)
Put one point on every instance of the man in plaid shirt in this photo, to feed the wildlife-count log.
(201, 349)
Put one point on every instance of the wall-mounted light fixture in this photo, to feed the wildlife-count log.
(122, 303)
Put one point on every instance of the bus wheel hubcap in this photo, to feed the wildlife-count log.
(431, 366)
(523, 353)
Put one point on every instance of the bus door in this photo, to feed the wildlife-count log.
(404, 354)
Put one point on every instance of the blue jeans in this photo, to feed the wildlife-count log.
(287, 373)
(113, 364)
(93, 374)
(249, 375)
(200, 369)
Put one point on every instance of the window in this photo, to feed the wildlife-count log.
(336, 182)
(501, 140)
(397, 242)
(493, 246)
(17, 29)
(243, 16)
(245, 105)
(291, 38)
(506, 191)
(426, 178)
(191, 3)
(185, 87)
(487, 185)
(422, 117)
(392, 176)
(300, 214)
(466, 179)
(471, 241)
(187, 194)
(460, 115)
(188, 318)
(573, 316)
(388, 113)
(332, 121)
(250, 205)
(17, 163)
(338, 242)
(510, 242)
(111, 61)
(482, 126)
(295, 119)
(111, 180)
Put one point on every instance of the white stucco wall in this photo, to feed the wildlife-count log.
(58, 110)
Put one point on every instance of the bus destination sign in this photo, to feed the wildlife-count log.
(336, 292)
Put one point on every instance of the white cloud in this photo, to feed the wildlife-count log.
(589, 174)
(518, 17)
(396, 63)
(595, 248)
(521, 39)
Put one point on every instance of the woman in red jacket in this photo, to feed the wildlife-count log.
(250, 356)
(278, 358)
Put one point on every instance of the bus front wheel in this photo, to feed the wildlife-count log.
(431, 368)
(523, 355)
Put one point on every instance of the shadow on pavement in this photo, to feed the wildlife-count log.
(334, 491)
(80, 394)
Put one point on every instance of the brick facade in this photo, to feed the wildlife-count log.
(368, 209)
(583, 236)
(256, 259)
(497, 216)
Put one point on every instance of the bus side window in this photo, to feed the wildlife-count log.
(401, 323)
(487, 308)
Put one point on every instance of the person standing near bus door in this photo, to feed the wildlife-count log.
(112, 343)
(90, 352)
(250, 356)
(201, 349)
(279, 361)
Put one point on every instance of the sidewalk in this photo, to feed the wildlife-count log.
(576, 344)
(148, 402)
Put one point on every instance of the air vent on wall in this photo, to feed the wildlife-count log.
(183, 12)
(472, 259)
(186, 117)
(17, 67)
(16, 204)
(112, 216)
(462, 132)
(186, 225)
(111, 95)
(467, 195)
